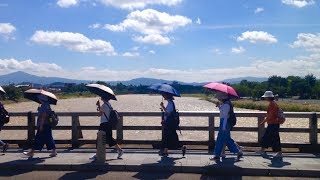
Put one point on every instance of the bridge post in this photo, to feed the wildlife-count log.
(261, 128)
(120, 130)
(74, 131)
(211, 142)
(31, 128)
(313, 126)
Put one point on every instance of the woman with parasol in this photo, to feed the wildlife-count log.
(44, 129)
(104, 112)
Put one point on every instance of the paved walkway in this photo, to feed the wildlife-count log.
(196, 161)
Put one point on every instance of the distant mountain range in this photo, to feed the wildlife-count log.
(20, 77)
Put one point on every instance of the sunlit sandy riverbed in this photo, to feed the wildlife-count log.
(145, 103)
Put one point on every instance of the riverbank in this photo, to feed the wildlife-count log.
(287, 105)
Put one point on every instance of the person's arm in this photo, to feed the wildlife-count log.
(167, 110)
(43, 119)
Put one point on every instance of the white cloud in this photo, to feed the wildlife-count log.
(257, 36)
(156, 39)
(259, 68)
(152, 52)
(298, 3)
(258, 10)
(88, 68)
(74, 42)
(130, 54)
(238, 50)
(7, 30)
(95, 26)
(12, 65)
(198, 21)
(67, 3)
(309, 41)
(151, 23)
(139, 4)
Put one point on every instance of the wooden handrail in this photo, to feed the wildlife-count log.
(76, 128)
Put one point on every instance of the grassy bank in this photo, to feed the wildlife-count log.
(287, 105)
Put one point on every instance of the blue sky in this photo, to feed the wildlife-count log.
(186, 40)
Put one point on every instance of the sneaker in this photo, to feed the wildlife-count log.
(94, 157)
(164, 154)
(5, 147)
(261, 152)
(184, 149)
(53, 154)
(120, 153)
(29, 154)
(278, 155)
(214, 158)
(239, 155)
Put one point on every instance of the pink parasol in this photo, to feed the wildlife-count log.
(222, 88)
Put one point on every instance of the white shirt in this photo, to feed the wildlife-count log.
(224, 113)
(105, 109)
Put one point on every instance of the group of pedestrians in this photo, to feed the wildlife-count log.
(170, 123)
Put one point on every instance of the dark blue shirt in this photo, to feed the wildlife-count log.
(44, 108)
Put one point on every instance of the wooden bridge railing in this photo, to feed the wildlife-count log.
(76, 128)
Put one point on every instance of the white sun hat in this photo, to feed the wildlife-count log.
(268, 94)
(2, 90)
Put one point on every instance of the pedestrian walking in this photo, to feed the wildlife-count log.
(44, 129)
(170, 119)
(170, 137)
(224, 136)
(104, 112)
(271, 136)
(3, 120)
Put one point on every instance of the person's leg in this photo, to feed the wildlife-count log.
(111, 141)
(276, 145)
(223, 152)
(4, 146)
(165, 141)
(50, 142)
(221, 139)
(38, 143)
(265, 141)
(2, 143)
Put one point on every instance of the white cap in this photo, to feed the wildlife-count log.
(268, 94)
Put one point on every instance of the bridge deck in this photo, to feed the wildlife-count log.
(196, 161)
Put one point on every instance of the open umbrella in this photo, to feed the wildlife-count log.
(2, 90)
(101, 90)
(164, 88)
(32, 94)
(222, 88)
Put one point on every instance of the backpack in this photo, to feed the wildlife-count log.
(281, 117)
(4, 115)
(175, 118)
(114, 117)
(232, 120)
(53, 119)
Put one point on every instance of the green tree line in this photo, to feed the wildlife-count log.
(307, 87)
